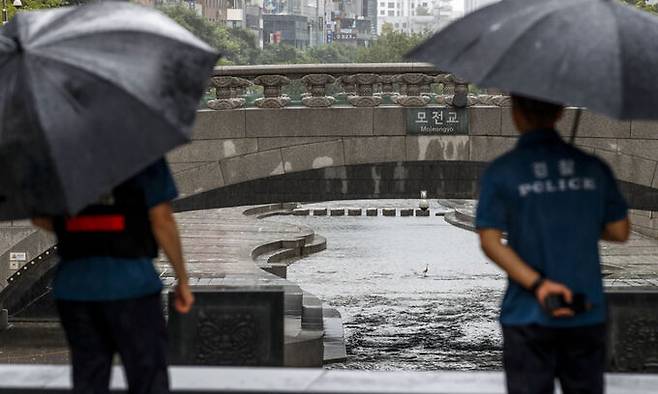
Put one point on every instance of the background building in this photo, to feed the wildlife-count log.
(414, 16)
(472, 5)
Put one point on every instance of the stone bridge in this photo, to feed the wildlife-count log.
(333, 132)
(356, 143)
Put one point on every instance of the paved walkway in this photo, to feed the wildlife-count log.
(197, 380)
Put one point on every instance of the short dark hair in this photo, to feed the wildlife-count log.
(537, 111)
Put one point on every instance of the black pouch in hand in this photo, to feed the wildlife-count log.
(578, 305)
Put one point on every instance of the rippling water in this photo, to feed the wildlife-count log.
(395, 316)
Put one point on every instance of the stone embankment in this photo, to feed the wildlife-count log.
(234, 247)
(225, 248)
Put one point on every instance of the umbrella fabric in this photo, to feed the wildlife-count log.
(89, 96)
(599, 54)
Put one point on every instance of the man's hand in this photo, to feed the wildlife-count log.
(184, 298)
(549, 287)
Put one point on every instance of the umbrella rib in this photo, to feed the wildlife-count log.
(78, 67)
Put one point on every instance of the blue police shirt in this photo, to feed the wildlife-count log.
(105, 278)
(553, 201)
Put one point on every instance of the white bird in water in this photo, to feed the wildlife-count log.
(427, 268)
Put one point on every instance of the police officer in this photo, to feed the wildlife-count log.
(555, 202)
(106, 288)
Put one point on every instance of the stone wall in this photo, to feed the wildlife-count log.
(236, 146)
(645, 222)
(10, 234)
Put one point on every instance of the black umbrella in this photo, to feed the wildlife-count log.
(599, 54)
(89, 96)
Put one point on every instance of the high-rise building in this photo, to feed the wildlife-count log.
(472, 5)
(414, 16)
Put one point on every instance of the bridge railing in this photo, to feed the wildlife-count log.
(358, 85)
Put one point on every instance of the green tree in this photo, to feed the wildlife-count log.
(642, 4)
(331, 53)
(281, 54)
(237, 46)
(390, 47)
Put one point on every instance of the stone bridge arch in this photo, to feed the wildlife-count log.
(253, 155)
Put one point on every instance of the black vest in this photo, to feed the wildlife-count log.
(119, 227)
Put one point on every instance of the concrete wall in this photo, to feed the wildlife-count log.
(10, 234)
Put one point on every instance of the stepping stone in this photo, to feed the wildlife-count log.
(389, 212)
(354, 212)
(406, 212)
(338, 212)
(320, 212)
(372, 212)
(422, 212)
(301, 212)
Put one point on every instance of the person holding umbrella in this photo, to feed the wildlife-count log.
(553, 200)
(93, 97)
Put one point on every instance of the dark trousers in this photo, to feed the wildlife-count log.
(133, 328)
(534, 356)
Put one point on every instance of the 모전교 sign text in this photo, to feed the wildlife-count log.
(437, 121)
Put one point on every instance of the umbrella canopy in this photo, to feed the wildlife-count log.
(89, 96)
(599, 54)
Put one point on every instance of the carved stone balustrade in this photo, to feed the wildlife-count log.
(364, 91)
(228, 90)
(413, 83)
(272, 91)
(316, 87)
(347, 82)
(363, 85)
(496, 100)
(387, 88)
(447, 81)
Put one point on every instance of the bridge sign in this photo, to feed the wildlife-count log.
(437, 121)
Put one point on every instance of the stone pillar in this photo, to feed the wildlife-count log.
(348, 85)
(272, 91)
(413, 83)
(227, 91)
(364, 91)
(387, 86)
(448, 91)
(316, 87)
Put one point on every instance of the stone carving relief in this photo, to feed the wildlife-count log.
(227, 337)
(228, 91)
(414, 84)
(364, 96)
(316, 88)
(272, 91)
(637, 344)
(387, 88)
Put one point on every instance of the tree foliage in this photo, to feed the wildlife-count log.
(642, 4)
(237, 46)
